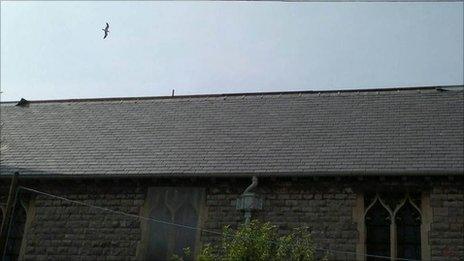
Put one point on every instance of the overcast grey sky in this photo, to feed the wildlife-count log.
(53, 50)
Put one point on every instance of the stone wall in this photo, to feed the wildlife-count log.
(324, 206)
(58, 230)
(446, 231)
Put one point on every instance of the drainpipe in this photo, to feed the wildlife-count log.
(249, 201)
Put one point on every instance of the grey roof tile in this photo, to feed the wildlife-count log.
(388, 131)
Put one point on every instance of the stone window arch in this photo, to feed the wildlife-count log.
(377, 219)
(14, 247)
(408, 222)
(179, 205)
(394, 225)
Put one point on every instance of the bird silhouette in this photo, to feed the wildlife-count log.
(106, 30)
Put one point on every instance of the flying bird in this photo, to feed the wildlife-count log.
(106, 30)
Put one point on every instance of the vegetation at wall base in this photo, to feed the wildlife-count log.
(258, 241)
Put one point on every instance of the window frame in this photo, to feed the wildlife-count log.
(146, 209)
(25, 202)
(359, 214)
(2, 214)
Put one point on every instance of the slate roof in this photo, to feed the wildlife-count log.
(415, 131)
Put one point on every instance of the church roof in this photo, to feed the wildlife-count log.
(410, 131)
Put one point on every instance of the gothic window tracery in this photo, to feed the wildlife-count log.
(408, 221)
(176, 205)
(17, 227)
(378, 230)
(392, 225)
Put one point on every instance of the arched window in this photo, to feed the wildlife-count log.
(178, 205)
(158, 245)
(408, 221)
(187, 215)
(1, 215)
(392, 226)
(15, 236)
(377, 222)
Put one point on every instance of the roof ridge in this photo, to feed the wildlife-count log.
(389, 89)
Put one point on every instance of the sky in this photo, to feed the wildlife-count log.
(55, 50)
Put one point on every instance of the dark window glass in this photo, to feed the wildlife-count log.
(408, 223)
(15, 236)
(177, 205)
(378, 232)
(1, 217)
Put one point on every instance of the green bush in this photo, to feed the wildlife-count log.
(261, 242)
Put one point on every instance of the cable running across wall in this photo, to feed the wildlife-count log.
(117, 212)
